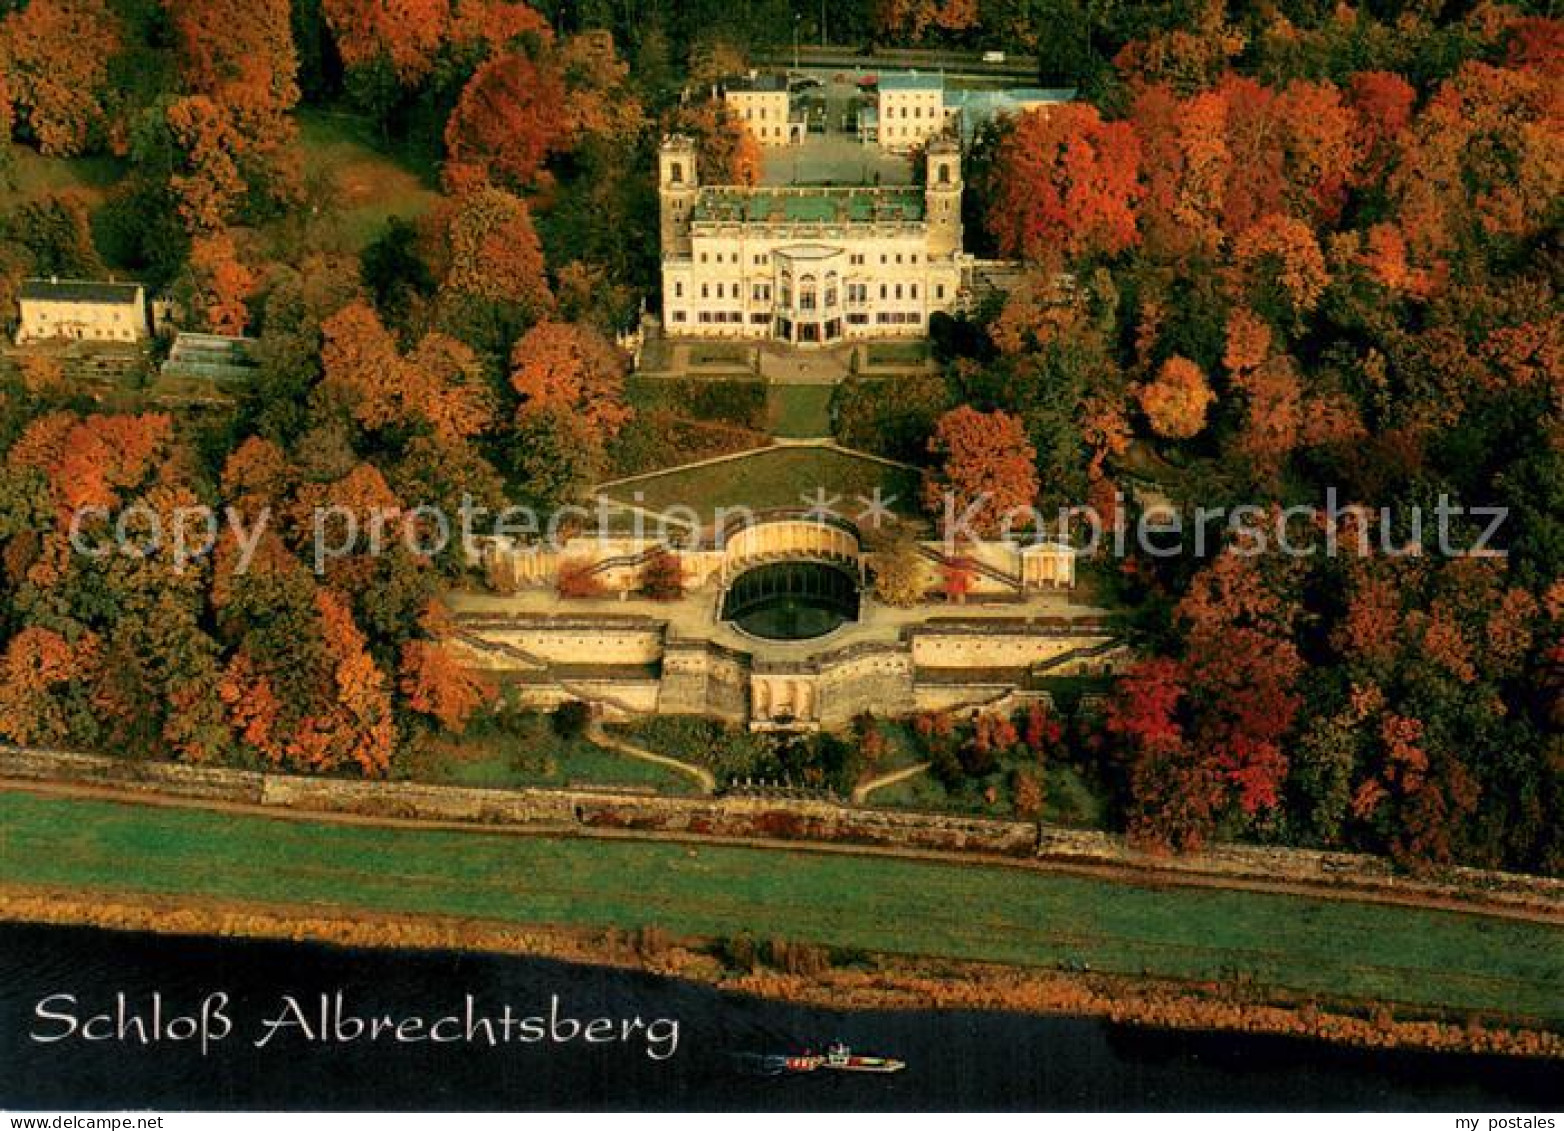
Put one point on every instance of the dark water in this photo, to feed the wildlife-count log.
(957, 1060)
(791, 600)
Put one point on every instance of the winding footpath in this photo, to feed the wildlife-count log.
(699, 774)
(864, 789)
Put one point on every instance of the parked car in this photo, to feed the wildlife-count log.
(993, 56)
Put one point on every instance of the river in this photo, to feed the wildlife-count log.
(956, 1059)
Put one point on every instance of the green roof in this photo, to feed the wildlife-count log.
(810, 206)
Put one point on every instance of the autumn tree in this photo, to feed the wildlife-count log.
(434, 679)
(1186, 167)
(557, 365)
(403, 34)
(910, 20)
(600, 98)
(1066, 185)
(56, 56)
(223, 285)
(1175, 796)
(986, 470)
(42, 675)
(208, 185)
(510, 118)
(240, 56)
(726, 150)
(1278, 268)
(662, 577)
(899, 574)
(491, 255)
(1483, 163)
(439, 383)
(1177, 400)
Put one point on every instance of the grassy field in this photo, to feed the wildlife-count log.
(777, 477)
(34, 175)
(802, 411)
(366, 186)
(997, 914)
(1067, 798)
(880, 354)
(529, 753)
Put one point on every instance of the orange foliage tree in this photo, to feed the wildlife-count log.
(405, 33)
(55, 55)
(911, 19)
(492, 251)
(440, 383)
(37, 663)
(223, 284)
(439, 685)
(571, 367)
(987, 468)
(1186, 166)
(1066, 185)
(209, 186)
(510, 118)
(1176, 402)
(725, 148)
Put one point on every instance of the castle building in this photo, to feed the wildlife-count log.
(905, 110)
(78, 310)
(765, 105)
(909, 109)
(808, 265)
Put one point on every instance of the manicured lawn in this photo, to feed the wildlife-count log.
(530, 754)
(897, 353)
(367, 185)
(719, 353)
(800, 411)
(998, 914)
(777, 477)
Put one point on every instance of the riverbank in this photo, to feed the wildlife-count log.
(868, 981)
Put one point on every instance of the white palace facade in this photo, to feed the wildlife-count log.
(808, 265)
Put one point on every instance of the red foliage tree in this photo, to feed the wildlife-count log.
(510, 118)
(1066, 185)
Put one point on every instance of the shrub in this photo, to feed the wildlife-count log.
(1026, 792)
(576, 580)
(662, 577)
(571, 718)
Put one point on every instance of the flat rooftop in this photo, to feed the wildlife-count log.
(808, 205)
(80, 290)
(769, 83)
(910, 80)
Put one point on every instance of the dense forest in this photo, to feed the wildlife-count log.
(1308, 247)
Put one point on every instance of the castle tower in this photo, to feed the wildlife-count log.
(677, 186)
(942, 198)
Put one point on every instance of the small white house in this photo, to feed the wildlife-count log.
(81, 310)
